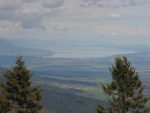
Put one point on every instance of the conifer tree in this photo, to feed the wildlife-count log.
(18, 93)
(125, 90)
(4, 102)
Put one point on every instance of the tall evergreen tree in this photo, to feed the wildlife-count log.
(18, 93)
(4, 102)
(125, 91)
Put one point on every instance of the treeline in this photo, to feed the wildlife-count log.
(125, 92)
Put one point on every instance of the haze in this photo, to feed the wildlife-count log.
(48, 23)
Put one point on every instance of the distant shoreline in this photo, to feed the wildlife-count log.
(85, 53)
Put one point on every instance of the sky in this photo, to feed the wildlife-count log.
(122, 22)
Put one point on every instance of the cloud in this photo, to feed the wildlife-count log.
(112, 3)
(119, 30)
(29, 1)
(73, 16)
(29, 12)
(61, 28)
(53, 3)
(10, 5)
(6, 26)
(115, 15)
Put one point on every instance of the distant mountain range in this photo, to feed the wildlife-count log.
(9, 49)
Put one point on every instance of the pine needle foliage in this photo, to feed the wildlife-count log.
(19, 96)
(125, 91)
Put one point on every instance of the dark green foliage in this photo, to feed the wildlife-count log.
(125, 91)
(17, 94)
(4, 101)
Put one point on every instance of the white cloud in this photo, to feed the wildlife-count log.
(9, 26)
(10, 5)
(119, 30)
(115, 15)
(112, 3)
(29, 13)
(52, 3)
(74, 16)
(61, 29)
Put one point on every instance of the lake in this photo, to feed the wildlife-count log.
(86, 52)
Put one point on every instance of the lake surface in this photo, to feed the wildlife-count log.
(86, 52)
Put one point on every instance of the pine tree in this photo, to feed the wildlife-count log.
(125, 91)
(4, 102)
(20, 95)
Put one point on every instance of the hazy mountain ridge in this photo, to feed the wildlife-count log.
(8, 49)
